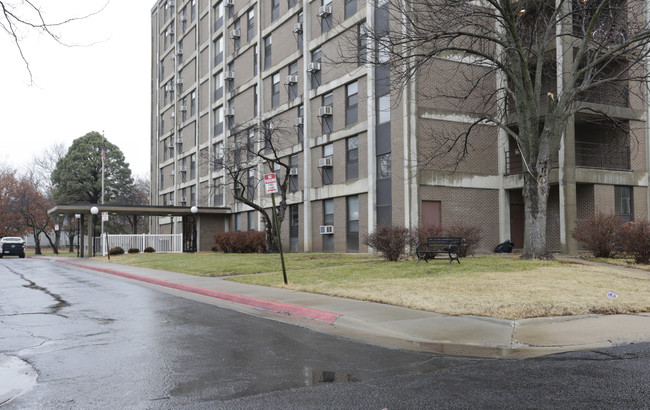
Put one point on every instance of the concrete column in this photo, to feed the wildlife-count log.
(90, 236)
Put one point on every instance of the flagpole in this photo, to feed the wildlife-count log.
(103, 166)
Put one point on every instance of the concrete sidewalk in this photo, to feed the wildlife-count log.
(393, 326)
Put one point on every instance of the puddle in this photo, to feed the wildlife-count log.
(315, 377)
(17, 377)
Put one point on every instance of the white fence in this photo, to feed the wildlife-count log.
(161, 243)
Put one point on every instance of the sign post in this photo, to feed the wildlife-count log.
(271, 183)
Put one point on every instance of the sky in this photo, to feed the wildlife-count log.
(100, 83)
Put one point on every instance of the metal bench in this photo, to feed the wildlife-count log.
(433, 246)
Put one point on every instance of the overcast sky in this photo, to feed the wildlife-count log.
(100, 87)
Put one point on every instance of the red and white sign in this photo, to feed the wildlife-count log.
(271, 183)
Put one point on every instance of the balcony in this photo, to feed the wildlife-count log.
(588, 155)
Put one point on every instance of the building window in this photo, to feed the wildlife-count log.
(231, 82)
(293, 178)
(251, 221)
(328, 220)
(217, 12)
(184, 167)
(218, 50)
(231, 118)
(327, 122)
(250, 27)
(255, 53)
(179, 142)
(352, 103)
(164, 149)
(275, 90)
(352, 158)
(171, 199)
(162, 124)
(293, 86)
(237, 39)
(250, 184)
(164, 200)
(275, 9)
(193, 10)
(301, 128)
(183, 196)
(352, 229)
(218, 121)
(179, 54)
(162, 179)
(384, 166)
(193, 103)
(218, 192)
(193, 195)
(294, 227)
(250, 145)
(171, 147)
(350, 8)
(362, 45)
(218, 86)
(238, 222)
(299, 36)
(192, 166)
(326, 19)
(218, 156)
(328, 172)
(255, 99)
(383, 109)
(268, 41)
(184, 109)
(292, 3)
(623, 204)
(315, 74)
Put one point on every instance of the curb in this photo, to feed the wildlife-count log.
(276, 307)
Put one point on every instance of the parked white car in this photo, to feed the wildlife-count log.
(12, 245)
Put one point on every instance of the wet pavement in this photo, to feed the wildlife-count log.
(97, 340)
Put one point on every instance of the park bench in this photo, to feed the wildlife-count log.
(433, 246)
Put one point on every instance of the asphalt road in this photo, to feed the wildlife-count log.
(98, 342)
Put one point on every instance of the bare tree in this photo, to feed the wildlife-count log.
(525, 67)
(251, 153)
(19, 18)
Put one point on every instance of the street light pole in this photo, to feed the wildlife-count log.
(194, 211)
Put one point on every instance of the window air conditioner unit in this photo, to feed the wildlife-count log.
(229, 3)
(179, 81)
(229, 75)
(324, 11)
(183, 19)
(229, 112)
(169, 87)
(325, 111)
(182, 168)
(325, 162)
(291, 79)
(170, 33)
(183, 199)
(297, 28)
(326, 229)
(300, 121)
(183, 108)
(293, 171)
(313, 67)
(179, 53)
(173, 114)
(236, 33)
(179, 140)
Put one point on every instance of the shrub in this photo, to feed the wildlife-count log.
(390, 241)
(471, 235)
(149, 249)
(116, 251)
(599, 234)
(240, 242)
(134, 250)
(635, 237)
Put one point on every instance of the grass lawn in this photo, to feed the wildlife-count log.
(497, 286)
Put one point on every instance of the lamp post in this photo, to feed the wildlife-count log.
(94, 210)
(194, 211)
(77, 217)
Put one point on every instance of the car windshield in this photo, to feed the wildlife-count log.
(9, 239)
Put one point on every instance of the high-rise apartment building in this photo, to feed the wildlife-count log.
(222, 68)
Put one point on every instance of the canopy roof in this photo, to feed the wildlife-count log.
(140, 210)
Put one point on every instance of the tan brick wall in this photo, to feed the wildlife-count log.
(604, 199)
(585, 201)
(209, 225)
(466, 206)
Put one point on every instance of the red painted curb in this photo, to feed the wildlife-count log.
(283, 308)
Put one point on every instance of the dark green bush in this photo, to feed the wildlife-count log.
(471, 235)
(149, 249)
(134, 250)
(636, 240)
(116, 251)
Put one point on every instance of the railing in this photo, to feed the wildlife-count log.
(588, 155)
(170, 243)
(603, 156)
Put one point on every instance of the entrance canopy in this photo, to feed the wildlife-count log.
(140, 210)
